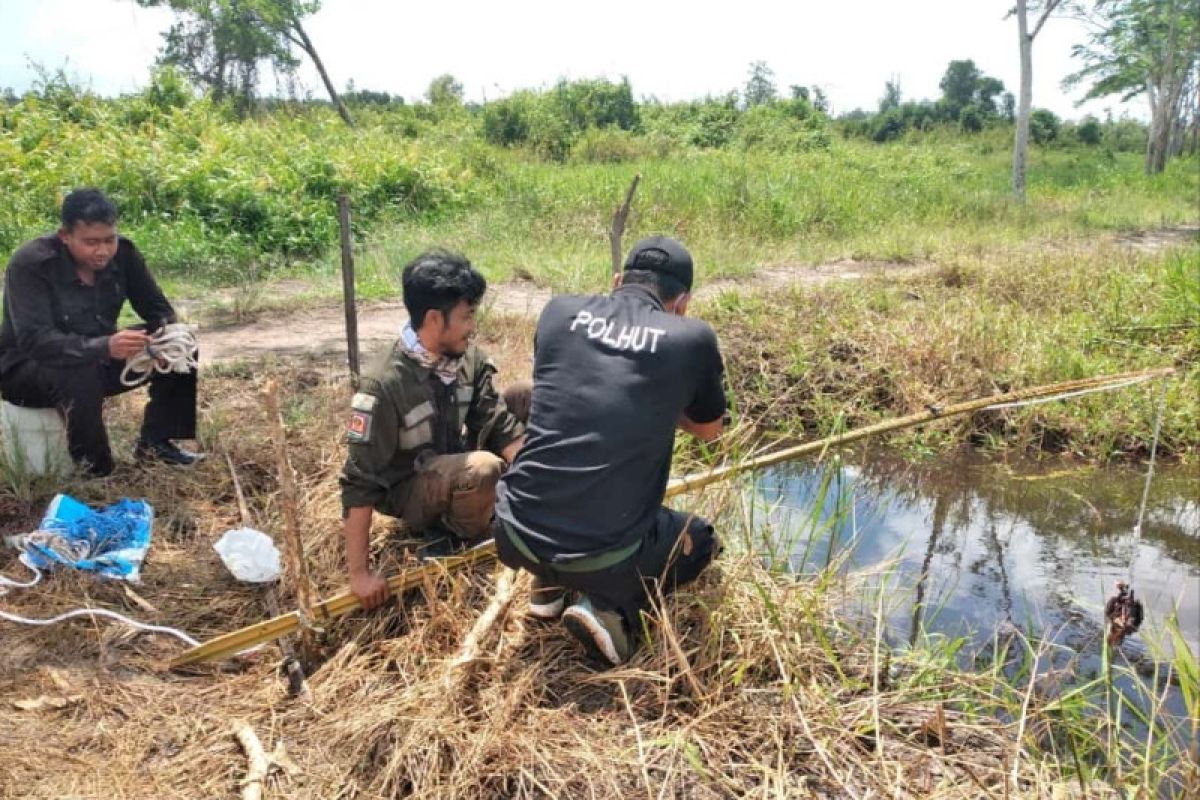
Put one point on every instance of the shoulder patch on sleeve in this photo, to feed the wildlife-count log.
(363, 402)
(358, 428)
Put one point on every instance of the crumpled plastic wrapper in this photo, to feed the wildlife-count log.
(249, 554)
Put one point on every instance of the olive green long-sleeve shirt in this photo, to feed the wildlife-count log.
(403, 411)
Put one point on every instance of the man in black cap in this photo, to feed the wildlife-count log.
(581, 507)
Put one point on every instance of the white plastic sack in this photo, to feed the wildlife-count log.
(249, 554)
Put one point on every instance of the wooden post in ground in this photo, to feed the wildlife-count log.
(618, 224)
(348, 286)
(288, 505)
(297, 686)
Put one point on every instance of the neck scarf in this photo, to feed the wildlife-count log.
(444, 367)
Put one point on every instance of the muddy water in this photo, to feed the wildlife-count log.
(981, 548)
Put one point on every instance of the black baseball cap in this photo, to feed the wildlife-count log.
(662, 254)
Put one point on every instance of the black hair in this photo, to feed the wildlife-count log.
(88, 206)
(667, 287)
(440, 279)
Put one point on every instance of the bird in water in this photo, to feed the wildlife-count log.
(1123, 612)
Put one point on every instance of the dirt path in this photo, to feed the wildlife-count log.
(320, 331)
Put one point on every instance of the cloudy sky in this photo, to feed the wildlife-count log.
(672, 49)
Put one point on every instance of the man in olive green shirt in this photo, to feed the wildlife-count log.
(428, 433)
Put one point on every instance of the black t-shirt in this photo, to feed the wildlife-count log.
(611, 377)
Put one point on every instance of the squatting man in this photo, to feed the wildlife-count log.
(59, 344)
(428, 433)
(581, 509)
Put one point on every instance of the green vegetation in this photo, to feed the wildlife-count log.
(528, 182)
(1008, 295)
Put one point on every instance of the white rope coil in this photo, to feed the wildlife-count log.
(172, 349)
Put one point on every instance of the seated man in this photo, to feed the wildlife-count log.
(408, 456)
(613, 376)
(59, 344)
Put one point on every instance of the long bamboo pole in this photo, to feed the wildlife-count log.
(341, 604)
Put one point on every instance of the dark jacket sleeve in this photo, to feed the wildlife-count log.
(368, 475)
(28, 303)
(489, 421)
(709, 401)
(144, 295)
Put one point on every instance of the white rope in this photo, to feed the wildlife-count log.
(101, 612)
(172, 349)
(7, 583)
(1077, 393)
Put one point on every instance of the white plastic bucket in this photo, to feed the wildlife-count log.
(35, 439)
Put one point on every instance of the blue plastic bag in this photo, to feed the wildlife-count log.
(111, 542)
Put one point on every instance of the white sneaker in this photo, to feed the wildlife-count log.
(546, 600)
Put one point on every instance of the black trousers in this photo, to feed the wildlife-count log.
(628, 586)
(78, 392)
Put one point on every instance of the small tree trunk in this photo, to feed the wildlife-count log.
(1024, 105)
(307, 45)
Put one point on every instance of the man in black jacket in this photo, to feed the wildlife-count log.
(613, 377)
(59, 343)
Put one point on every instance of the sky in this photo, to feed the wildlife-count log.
(669, 49)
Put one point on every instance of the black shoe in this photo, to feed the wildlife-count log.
(439, 542)
(164, 451)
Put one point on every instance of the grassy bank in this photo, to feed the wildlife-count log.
(857, 352)
(755, 683)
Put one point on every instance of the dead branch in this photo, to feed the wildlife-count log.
(618, 224)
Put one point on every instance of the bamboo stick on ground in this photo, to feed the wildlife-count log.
(468, 653)
(341, 604)
(260, 765)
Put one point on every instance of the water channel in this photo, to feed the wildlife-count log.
(974, 548)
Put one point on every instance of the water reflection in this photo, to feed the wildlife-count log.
(979, 547)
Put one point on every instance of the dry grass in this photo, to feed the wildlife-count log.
(749, 684)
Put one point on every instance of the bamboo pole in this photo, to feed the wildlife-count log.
(341, 604)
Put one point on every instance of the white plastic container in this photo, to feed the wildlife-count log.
(35, 439)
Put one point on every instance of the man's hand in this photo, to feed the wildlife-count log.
(704, 431)
(123, 345)
(370, 589)
(509, 453)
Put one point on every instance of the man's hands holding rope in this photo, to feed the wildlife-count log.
(125, 344)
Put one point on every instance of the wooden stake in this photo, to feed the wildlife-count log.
(297, 687)
(618, 224)
(348, 287)
(341, 604)
(288, 504)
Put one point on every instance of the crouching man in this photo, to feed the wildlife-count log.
(581, 508)
(428, 433)
(59, 344)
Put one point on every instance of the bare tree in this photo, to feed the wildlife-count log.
(1025, 96)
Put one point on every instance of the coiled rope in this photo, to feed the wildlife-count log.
(172, 349)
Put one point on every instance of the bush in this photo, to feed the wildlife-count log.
(771, 127)
(1089, 131)
(1043, 126)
